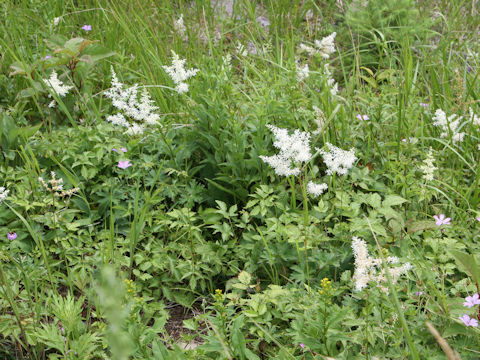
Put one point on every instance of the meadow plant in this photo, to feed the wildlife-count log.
(3, 194)
(140, 113)
(369, 269)
(324, 47)
(294, 150)
(338, 161)
(179, 74)
(448, 125)
(315, 189)
(428, 168)
(56, 85)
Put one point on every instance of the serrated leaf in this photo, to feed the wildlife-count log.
(392, 200)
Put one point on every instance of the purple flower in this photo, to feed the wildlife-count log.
(302, 345)
(121, 149)
(469, 69)
(362, 117)
(471, 301)
(468, 321)
(87, 27)
(424, 105)
(478, 218)
(418, 293)
(124, 164)
(12, 235)
(47, 57)
(441, 220)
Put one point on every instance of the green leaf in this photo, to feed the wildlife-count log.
(468, 263)
(392, 200)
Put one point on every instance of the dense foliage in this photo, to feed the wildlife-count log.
(239, 179)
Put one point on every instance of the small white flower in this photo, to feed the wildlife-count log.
(302, 72)
(368, 269)
(178, 73)
(55, 84)
(3, 194)
(319, 119)
(428, 168)
(316, 189)
(52, 104)
(56, 21)
(179, 27)
(324, 47)
(448, 125)
(240, 49)
(140, 112)
(294, 150)
(337, 160)
(475, 119)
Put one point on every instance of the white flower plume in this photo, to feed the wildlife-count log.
(55, 84)
(448, 125)
(294, 150)
(3, 194)
(337, 160)
(179, 74)
(316, 189)
(324, 47)
(369, 269)
(140, 113)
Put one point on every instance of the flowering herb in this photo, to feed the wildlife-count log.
(441, 220)
(179, 74)
(3, 194)
(428, 168)
(369, 269)
(124, 164)
(87, 28)
(294, 150)
(469, 321)
(363, 117)
(324, 47)
(337, 160)
(302, 72)
(316, 189)
(140, 113)
(55, 186)
(55, 84)
(471, 301)
(124, 150)
(12, 235)
(448, 125)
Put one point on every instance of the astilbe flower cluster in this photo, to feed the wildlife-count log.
(294, 150)
(303, 71)
(179, 74)
(338, 161)
(320, 119)
(448, 124)
(180, 29)
(3, 194)
(473, 117)
(55, 84)
(138, 113)
(369, 269)
(55, 186)
(324, 47)
(315, 189)
(428, 168)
